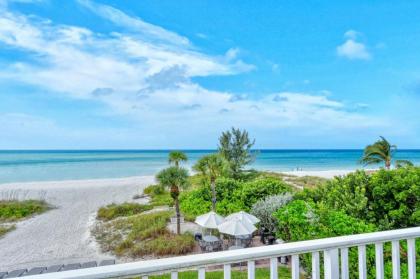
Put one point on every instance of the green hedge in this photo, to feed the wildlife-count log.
(390, 199)
(232, 195)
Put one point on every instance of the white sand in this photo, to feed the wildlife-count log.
(323, 173)
(62, 235)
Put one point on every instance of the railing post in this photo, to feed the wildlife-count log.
(316, 273)
(362, 261)
(331, 264)
(411, 258)
(145, 277)
(396, 259)
(226, 271)
(201, 273)
(174, 275)
(273, 268)
(295, 267)
(344, 255)
(251, 270)
(379, 260)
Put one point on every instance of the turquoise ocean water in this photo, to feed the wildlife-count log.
(20, 166)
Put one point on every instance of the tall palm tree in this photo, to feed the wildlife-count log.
(174, 178)
(175, 157)
(379, 152)
(212, 166)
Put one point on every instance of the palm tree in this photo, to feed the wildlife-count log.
(212, 166)
(382, 152)
(174, 178)
(175, 157)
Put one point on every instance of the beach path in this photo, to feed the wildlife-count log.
(62, 235)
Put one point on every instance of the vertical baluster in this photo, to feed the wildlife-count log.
(295, 267)
(226, 271)
(344, 254)
(396, 259)
(251, 270)
(145, 277)
(201, 273)
(174, 275)
(411, 258)
(362, 261)
(379, 260)
(331, 264)
(273, 268)
(315, 266)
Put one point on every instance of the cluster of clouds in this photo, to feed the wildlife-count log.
(145, 74)
(352, 48)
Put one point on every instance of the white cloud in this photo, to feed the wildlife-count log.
(147, 78)
(351, 48)
(134, 23)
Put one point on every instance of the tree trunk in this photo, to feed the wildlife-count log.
(213, 192)
(387, 164)
(178, 216)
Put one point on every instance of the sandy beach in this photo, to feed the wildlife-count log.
(323, 173)
(62, 235)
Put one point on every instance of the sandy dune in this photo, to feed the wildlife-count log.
(62, 234)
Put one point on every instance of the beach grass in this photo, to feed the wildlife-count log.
(298, 182)
(5, 229)
(14, 210)
(142, 234)
(113, 211)
(159, 195)
(260, 273)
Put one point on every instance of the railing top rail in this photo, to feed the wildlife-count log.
(199, 260)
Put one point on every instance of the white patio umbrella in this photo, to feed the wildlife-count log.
(209, 220)
(243, 216)
(236, 227)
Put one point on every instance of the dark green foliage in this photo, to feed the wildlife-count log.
(301, 220)
(390, 199)
(14, 210)
(232, 195)
(113, 211)
(235, 146)
(176, 157)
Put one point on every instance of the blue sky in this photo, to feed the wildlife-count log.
(174, 74)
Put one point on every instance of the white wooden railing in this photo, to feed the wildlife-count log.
(335, 251)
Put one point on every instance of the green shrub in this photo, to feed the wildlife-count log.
(154, 190)
(390, 199)
(300, 220)
(14, 210)
(253, 191)
(113, 211)
(232, 195)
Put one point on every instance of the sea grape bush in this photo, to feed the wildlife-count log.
(390, 199)
(301, 220)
